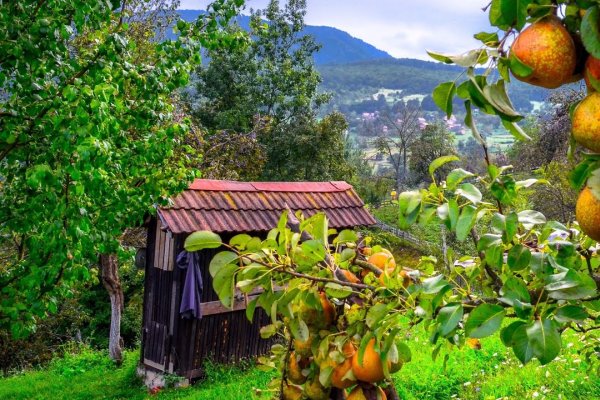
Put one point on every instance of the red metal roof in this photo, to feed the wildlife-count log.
(227, 206)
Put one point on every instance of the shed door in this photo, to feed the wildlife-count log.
(160, 315)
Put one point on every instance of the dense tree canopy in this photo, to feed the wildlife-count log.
(87, 138)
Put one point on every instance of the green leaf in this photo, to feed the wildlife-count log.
(363, 346)
(470, 122)
(409, 201)
(465, 222)
(448, 317)
(453, 212)
(515, 130)
(512, 225)
(529, 182)
(468, 59)
(443, 95)
(404, 352)
(240, 241)
(346, 236)
(337, 291)
(484, 320)
(518, 258)
(325, 376)
(456, 176)
(521, 345)
(515, 289)
(487, 38)
(267, 331)
(299, 329)
(470, 192)
(223, 283)
(440, 57)
(508, 13)
(507, 333)
(519, 68)
(494, 256)
(376, 314)
(488, 240)
(496, 95)
(530, 218)
(251, 308)
(200, 240)
(544, 339)
(590, 31)
(570, 313)
(434, 284)
(571, 285)
(220, 260)
(319, 227)
(439, 162)
(580, 174)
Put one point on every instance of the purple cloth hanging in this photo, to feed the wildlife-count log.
(192, 289)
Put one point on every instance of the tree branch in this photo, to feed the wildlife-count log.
(496, 281)
(358, 286)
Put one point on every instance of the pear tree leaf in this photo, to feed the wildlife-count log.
(456, 176)
(200, 240)
(465, 222)
(470, 192)
(443, 95)
(449, 317)
(544, 339)
(570, 313)
(522, 347)
(519, 257)
(484, 320)
(590, 31)
(439, 162)
(220, 260)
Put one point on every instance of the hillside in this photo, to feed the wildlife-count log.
(354, 71)
(356, 82)
(339, 47)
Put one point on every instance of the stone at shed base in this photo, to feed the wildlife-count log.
(156, 379)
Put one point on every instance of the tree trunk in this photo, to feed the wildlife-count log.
(109, 272)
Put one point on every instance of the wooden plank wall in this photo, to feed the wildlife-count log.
(223, 337)
(158, 298)
(175, 345)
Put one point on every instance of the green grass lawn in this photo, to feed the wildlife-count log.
(489, 373)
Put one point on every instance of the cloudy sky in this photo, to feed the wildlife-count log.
(403, 28)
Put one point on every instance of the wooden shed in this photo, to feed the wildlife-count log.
(175, 345)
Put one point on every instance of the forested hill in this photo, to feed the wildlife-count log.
(354, 70)
(412, 77)
(338, 46)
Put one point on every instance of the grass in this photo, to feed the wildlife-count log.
(489, 373)
(494, 373)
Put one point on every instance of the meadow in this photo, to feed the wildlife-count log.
(486, 374)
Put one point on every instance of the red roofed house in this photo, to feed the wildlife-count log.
(171, 344)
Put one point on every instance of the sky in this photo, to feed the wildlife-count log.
(403, 28)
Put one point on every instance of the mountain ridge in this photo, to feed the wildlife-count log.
(338, 46)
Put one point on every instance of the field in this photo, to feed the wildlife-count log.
(489, 373)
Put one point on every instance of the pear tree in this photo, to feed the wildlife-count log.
(343, 308)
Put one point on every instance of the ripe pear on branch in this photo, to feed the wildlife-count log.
(588, 207)
(545, 54)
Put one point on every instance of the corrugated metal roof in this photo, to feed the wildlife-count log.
(227, 206)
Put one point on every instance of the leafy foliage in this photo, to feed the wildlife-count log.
(267, 88)
(86, 140)
(534, 270)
